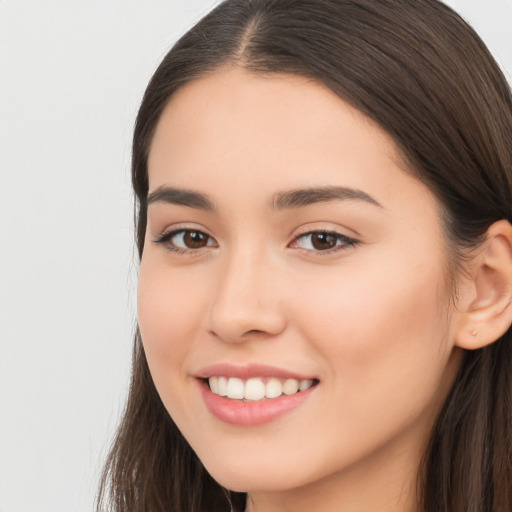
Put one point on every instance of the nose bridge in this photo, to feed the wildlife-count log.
(246, 299)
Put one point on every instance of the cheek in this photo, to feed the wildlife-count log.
(167, 316)
(384, 337)
(362, 299)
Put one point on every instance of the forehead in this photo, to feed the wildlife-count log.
(248, 132)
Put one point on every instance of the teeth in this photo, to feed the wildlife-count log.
(222, 384)
(273, 389)
(214, 384)
(291, 386)
(305, 384)
(235, 388)
(255, 388)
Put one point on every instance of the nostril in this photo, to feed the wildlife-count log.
(253, 332)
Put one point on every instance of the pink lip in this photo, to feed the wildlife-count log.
(247, 413)
(248, 371)
(240, 412)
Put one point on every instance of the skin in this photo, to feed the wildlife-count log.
(373, 321)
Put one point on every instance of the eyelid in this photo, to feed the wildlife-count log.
(165, 239)
(347, 241)
(166, 236)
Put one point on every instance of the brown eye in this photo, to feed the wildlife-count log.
(186, 240)
(195, 239)
(323, 241)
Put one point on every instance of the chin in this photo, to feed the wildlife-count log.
(244, 476)
(251, 482)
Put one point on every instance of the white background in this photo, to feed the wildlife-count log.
(71, 77)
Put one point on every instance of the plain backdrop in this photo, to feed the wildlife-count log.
(71, 76)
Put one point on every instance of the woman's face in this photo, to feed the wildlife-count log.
(286, 247)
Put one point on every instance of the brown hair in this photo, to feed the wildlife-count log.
(418, 70)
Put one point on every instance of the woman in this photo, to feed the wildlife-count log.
(324, 191)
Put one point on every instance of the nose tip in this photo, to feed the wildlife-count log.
(240, 320)
(246, 306)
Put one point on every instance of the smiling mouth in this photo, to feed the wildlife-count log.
(257, 388)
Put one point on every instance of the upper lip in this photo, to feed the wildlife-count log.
(248, 371)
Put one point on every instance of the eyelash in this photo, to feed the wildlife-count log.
(166, 241)
(342, 241)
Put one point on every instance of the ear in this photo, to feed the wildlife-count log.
(485, 300)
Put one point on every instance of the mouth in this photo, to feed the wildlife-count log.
(253, 395)
(257, 389)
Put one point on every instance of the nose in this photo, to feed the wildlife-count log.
(247, 302)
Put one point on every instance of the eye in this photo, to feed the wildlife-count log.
(322, 241)
(186, 240)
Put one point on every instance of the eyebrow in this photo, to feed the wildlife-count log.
(290, 199)
(181, 197)
(305, 197)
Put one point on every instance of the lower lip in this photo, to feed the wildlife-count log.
(241, 412)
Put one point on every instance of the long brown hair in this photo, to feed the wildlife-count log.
(418, 70)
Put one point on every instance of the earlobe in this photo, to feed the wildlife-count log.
(486, 314)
